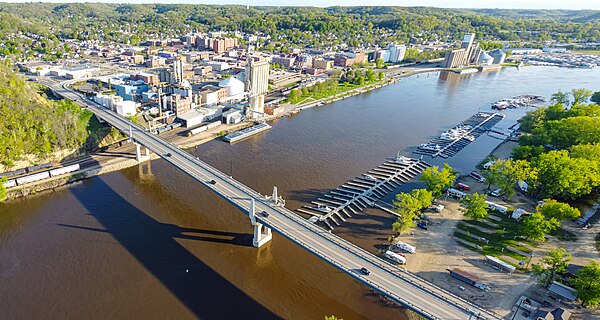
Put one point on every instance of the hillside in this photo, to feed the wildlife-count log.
(35, 126)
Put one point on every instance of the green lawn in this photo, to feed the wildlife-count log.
(332, 91)
(507, 234)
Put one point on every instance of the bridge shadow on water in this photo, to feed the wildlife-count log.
(206, 293)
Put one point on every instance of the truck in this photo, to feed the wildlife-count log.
(406, 247)
(468, 278)
(390, 255)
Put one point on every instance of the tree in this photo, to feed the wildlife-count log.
(380, 75)
(379, 63)
(558, 210)
(409, 206)
(332, 317)
(109, 86)
(535, 227)
(561, 97)
(596, 97)
(436, 181)
(506, 173)
(581, 95)
(475, 207)
(554, 263)
(564, 177)
(2, 189)
(587, 284)
(99, 85)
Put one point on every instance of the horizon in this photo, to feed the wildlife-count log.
(448, 4)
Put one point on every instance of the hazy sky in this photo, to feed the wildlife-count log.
(511, 4)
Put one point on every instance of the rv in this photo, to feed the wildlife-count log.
(456, 193)
(406, 247)
(497, 207)
(395, 257)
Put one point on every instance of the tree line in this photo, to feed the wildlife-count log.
(49, 23)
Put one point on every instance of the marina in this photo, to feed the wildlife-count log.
(245, 133)
(452, 141)
(363, 191)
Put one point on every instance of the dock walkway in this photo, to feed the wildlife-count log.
(364, 191)
(477, 125)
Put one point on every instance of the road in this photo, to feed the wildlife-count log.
(395, 283)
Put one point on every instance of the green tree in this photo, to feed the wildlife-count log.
(561, 97)
(332, 317)
(437, 180)
(380, 76)
(565, 177)
(99, 84)
(558, 210)
(554, 263)
(535, 227)
(409, 206)
(506, 173)
(475, 207)
(109, 86)
(596, 97)
(379, 63)
(587, 284)
(581, 95)
(2, 188)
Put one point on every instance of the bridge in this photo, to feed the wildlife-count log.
(268, 213)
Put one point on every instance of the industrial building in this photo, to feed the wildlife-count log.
(257, 85)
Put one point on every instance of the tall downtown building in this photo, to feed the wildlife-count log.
(257, 85)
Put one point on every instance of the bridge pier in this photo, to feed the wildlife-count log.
(262, 233)
(138, 153)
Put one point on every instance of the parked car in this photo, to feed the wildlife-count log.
(496, 193)
(462, 186)
(168, 154)
(265, 214)
(422, 225)
(475, 175)
(213, 182)
(365, 271)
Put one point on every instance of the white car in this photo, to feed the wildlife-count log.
(496, 193)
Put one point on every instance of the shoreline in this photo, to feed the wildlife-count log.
(119, 162)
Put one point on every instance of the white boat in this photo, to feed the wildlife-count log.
(430, 147)
(370, 177)
(469, 137)
(323, 208)
(402, 159)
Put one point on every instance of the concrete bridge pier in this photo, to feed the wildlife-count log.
(262, 233)
(138, 153)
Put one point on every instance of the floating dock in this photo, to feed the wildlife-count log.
(363, 191)
(245, 133)
(452, 141)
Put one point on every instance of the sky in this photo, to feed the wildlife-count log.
(507, 4)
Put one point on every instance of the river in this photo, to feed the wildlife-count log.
(149, 242)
